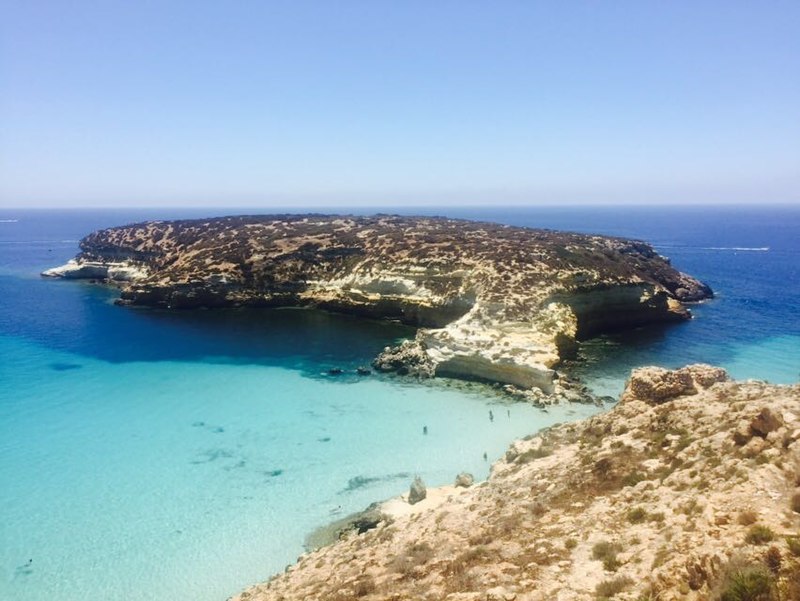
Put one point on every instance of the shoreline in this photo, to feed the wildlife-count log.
(648, 506)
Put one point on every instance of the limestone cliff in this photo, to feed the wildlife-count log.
(689, 489)
(494, 302)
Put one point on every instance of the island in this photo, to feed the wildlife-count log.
(492, 302)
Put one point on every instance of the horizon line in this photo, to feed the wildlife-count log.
(401, 205)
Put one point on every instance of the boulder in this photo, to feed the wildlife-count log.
(408, 358)
(465, 480)
(417, 492)
(656, 385)
(765, 422)
(367, 519)
(706, 375)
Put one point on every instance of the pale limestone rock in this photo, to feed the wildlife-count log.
(464, 480)
(417, 492)
(112, 271)
(657, 385)
(704, 375)
(765, 422)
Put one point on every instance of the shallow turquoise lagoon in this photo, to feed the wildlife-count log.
(190, 480)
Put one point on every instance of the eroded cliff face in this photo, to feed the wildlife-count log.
(493, 302)
(687, 490)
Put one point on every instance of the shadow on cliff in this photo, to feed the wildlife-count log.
(613, 356)
(79, 318)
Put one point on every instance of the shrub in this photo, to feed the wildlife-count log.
(772, 559)
(532, 454)
(791, 584)
(633, 479)
(691, 507)
(684, 441)
(538, 508)
(793, 542)
(416, 555)
(747, 517)
(610, 588)
(759, 535)
(606, 552)
(661, 557)
(364, 586)
(637, 515)
(570, 543)
(456, 573)
(603, 469)
(749, 584)
(795, 503)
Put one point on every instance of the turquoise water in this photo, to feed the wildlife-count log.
(189, 480)
(160, 455)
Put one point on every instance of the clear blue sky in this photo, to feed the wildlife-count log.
(406, 102)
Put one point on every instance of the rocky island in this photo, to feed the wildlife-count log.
(688, 489)
(493, 302)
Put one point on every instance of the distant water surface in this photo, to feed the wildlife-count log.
(161, 455)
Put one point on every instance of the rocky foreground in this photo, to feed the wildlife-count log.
(688, 489)
(498, 303)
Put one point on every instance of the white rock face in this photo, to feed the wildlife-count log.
(484, 346)
(116, 272)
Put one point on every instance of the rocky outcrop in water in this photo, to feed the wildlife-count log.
(679, 493)
(493, 302)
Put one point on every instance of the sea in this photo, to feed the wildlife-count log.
(181, 456)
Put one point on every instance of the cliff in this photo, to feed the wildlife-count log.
(494, 302)
(688, 489)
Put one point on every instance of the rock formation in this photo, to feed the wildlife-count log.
(417, 491)
(493, 302)
(680, 492)
(464, 480)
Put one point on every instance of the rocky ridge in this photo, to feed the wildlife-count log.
(689, 489)
(493, 302)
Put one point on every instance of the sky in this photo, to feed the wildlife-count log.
(159, 103)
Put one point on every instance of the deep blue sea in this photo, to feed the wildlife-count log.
(156, 455)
